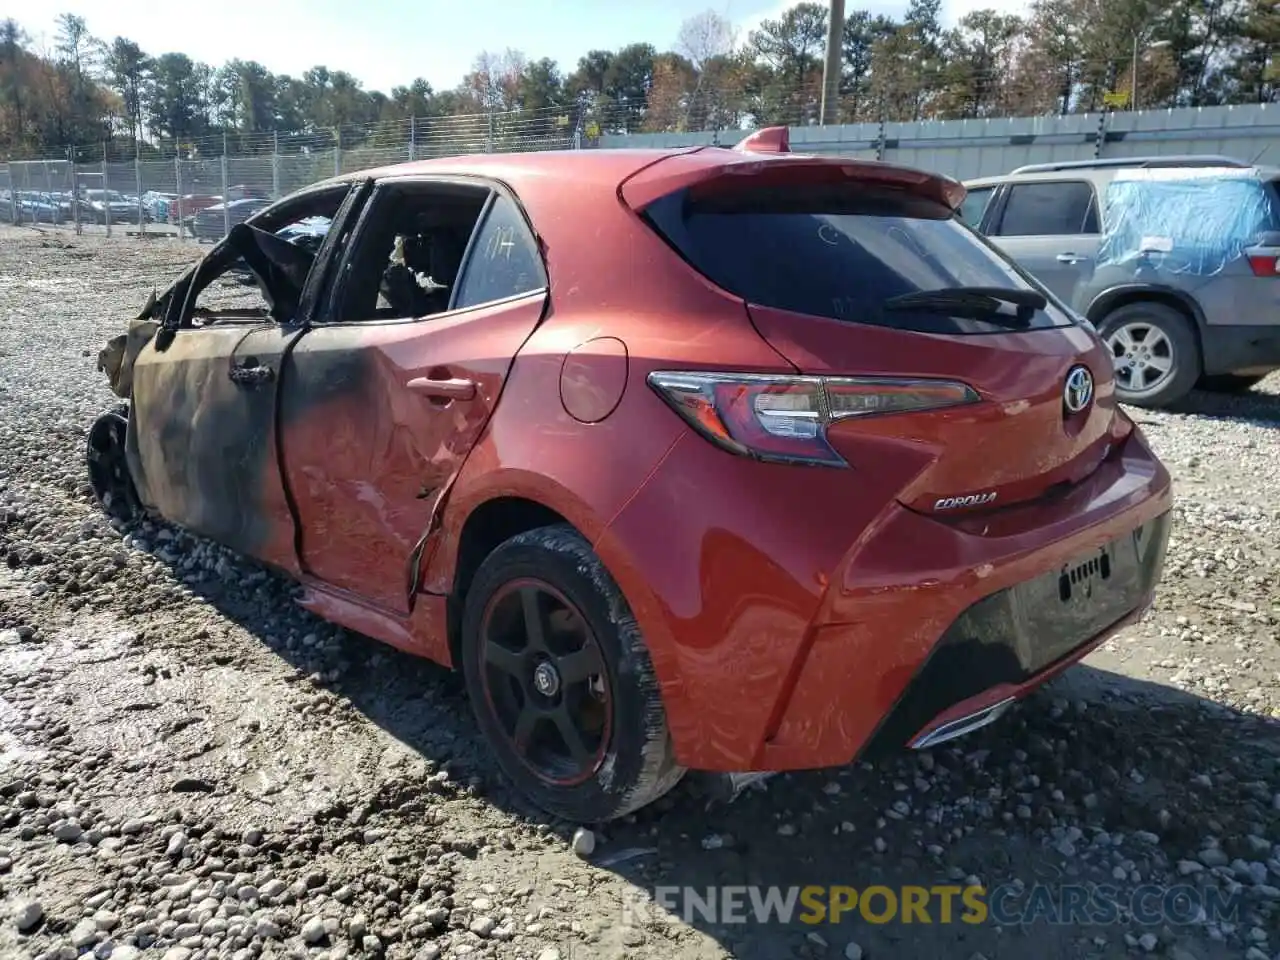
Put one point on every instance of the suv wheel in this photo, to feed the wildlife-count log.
(1156, 357)
(561, 682)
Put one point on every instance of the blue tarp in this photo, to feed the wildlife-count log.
(1183, 222)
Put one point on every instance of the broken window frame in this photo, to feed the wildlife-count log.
(179, 302)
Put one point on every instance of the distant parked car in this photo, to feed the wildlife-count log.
(188, 205)
(211, 223)
(73, 209)
(243, 191)
(1175, 259)
(110, 203)
(157, 205)
(37, 208)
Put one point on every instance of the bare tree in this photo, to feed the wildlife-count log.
(703, 40)
(705, 36)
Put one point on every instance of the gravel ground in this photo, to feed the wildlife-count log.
(191, 766)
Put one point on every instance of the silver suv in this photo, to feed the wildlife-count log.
(1176, 260)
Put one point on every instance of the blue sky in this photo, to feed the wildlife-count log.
(389, 42)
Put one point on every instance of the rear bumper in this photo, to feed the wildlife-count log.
(1254, 348)
(1007, 644)
(778, 646)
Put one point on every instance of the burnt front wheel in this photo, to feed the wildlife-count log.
(109, 468)
(561, 682)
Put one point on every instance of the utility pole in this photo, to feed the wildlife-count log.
(1133, 75)
(835, 59)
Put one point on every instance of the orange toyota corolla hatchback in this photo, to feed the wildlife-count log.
(729, 460)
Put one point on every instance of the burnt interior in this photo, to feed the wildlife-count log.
(411, 245)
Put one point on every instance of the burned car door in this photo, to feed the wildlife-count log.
(385, 396)
(202, 440)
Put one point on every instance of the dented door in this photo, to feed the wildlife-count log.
(202, 440)
(377, 418)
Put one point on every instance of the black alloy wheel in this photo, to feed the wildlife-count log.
(546, 681)
(560, 679)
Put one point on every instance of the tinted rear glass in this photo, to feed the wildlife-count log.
(839, 251)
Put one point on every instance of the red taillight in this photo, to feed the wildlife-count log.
(785, 419)
(1265, 264)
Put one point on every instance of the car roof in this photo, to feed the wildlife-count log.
(554, 185)
(522, 169)
(1104, 169)
(583, 203)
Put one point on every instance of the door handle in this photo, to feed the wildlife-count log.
(1070, 258)
(250, 373)
(443, 389)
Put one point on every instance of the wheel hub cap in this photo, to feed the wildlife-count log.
(1143, 355)
(546, 679)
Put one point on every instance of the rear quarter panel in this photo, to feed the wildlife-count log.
(612, 281)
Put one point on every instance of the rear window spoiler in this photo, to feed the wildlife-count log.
(764, 161)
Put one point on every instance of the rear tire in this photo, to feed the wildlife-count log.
(1155, 352)
(584, 665)
(1230, 382)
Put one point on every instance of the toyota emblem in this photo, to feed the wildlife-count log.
(1077, 392)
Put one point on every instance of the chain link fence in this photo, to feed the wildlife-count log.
(201, 188)
(207, 187)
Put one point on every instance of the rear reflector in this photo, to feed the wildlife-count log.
(784, 419)
(1265, 264)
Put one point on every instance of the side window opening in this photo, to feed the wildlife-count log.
(1060, 208)
(231, 288)
(408, 256)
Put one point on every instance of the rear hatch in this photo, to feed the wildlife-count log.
(818, 249)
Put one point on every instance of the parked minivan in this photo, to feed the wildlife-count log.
(1174, 259)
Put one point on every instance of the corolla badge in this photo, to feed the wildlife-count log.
(1077, 392)
(972, 500)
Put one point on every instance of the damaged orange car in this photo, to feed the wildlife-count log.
(720, 459)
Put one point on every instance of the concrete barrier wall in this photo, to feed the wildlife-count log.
(977, 148)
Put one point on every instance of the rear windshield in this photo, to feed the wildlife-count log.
(839, 251)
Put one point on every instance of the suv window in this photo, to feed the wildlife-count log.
(1064, 208)
(838, 250)
(504, 259)
(975, 205)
